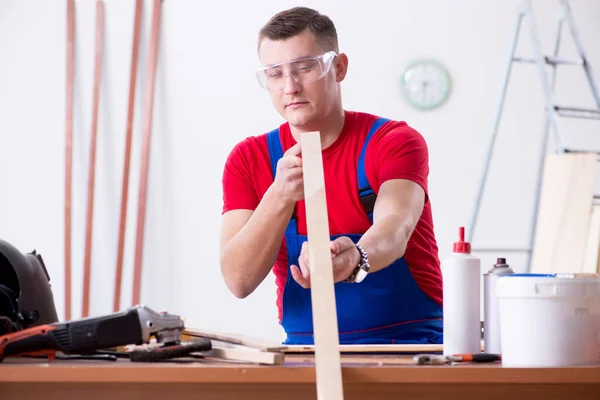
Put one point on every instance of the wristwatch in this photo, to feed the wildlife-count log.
(362, 269)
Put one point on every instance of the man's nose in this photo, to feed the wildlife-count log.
(290, 86)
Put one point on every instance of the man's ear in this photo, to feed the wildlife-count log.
(341, 67)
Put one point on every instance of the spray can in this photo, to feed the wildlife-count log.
(461, 295)
(491, 324)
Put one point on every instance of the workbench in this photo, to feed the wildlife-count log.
(364, 376)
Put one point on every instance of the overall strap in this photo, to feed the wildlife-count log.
(276, 152)
(275, 149)
(367, 195)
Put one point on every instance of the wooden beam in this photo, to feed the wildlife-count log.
(89, 228)
(69, 152)
(146, 144)
(137, 26)
(325, 324)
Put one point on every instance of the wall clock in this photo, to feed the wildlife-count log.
(425, 84)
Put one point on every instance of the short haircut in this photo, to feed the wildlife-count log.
(294, 21)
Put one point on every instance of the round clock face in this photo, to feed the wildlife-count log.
(425, 84)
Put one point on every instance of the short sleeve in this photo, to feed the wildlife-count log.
(237, 182)
(398, 151)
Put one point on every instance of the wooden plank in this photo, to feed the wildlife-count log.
(69, 152)
(262, 345)
(137, 26)
(146, 144)
(372, 348)
(564, 212)
(325, 324)
(592, 248)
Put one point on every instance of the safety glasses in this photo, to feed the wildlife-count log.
(304, 70)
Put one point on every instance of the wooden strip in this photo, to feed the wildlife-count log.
(127, 158)
(262, 345)
(372, 348)
(147, 131)
(69, 151)
(92, 161)
(356, 360)
(245, 355)
(564, 212)
(325, 324)
(234, 339)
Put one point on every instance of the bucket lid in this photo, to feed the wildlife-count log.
(548, 285)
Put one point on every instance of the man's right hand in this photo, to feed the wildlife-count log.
(250, 240)
(289, 181)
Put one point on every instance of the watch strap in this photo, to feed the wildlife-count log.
(362, 269)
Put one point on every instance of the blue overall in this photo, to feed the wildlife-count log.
(386, 307)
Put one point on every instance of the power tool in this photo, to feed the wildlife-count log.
(29, 325)
(136, 325)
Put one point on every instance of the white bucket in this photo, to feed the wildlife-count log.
(549, 320)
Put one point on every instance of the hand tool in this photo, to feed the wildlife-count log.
(136, 325)
(439, 359)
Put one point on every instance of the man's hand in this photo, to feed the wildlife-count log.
(288, 180)
(344, 257)
(250, 240)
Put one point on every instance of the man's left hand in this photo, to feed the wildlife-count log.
(344, 257)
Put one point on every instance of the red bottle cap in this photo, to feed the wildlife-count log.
(461, 246)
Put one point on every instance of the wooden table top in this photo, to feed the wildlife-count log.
(297, 369)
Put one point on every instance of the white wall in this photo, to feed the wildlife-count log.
(207, 100)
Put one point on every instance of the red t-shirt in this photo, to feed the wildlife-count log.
(396, 151)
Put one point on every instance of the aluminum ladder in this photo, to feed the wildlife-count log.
(553, 111)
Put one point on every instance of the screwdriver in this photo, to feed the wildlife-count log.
(438, 359)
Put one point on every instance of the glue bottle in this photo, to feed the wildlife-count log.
(461, 274)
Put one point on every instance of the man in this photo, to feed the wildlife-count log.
(384, 253)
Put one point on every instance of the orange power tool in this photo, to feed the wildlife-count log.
(136, 325)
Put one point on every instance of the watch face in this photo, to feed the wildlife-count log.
(425, 84)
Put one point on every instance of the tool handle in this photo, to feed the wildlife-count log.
(479, 357)
(39, 340)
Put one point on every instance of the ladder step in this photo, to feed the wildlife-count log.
(552, 60)
(573, 112)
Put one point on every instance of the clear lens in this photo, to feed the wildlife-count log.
(307, 70)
